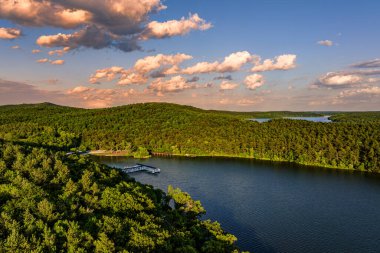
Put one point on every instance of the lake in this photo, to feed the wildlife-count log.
(276, 207)
(324, 119)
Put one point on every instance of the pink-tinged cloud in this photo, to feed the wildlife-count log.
(44, 60)
(326, 43)
(201, 67)
(282, 62)
(151, 63)
(159, 30)
(241, 101)
(57, 62)
(99, 98)
(42, 13)
(36, 51)
(254, 81)
(15, 47)
(118, 24)
(59, 52)
(231, 63)
(139, 73)
(9, 33)
(341, 79)
(108, 74)
(175, 84)
(368, 91)
(132, 78)
(228, 85)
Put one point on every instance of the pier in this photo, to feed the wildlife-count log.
(141, 167)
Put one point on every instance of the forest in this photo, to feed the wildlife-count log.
(352, 141)
(51, 202)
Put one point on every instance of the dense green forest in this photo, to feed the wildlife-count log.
(352, 142)
(50, 202)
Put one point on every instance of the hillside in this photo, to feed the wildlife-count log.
(50, 202)
(185, 130)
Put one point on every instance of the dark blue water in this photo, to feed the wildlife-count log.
(276, 207)
(324, 119)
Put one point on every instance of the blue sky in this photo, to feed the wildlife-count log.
(300, 55)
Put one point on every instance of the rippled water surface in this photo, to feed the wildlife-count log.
(276, 207)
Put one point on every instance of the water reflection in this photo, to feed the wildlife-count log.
(277, 207)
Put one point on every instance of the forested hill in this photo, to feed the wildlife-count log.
(50, 202)
(185, 130)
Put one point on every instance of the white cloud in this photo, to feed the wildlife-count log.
(326, 43)
(138, 74)
(254, 81)
(340, 79)
(344, 79)
(172, 28)
(174, 84)
(282, 62)
(231, 63)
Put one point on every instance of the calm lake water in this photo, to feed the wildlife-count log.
(276, 207)
(324, 119)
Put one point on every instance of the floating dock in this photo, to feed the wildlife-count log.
(141, 167)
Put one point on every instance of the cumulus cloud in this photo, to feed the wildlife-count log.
(97, 98)
(36, 51)
(55, 62)
(139, 73)
(342, 79)
(150, 63)
(254, 81)
(231, 63)
(368, 91)
(227, 85)
(15, 47)
(44, 60)
(101, 23)
(172, 28)
(282, 62)
(59, 52)
(326, 43)
(9, 33)
(91, 37)
(368, 64)
(174, 84)
(132, 78)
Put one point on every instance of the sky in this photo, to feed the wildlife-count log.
(244, 55)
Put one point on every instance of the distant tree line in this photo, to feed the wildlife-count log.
(352, 142)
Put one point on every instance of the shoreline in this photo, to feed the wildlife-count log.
(157, 154)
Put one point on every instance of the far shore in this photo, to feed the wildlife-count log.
(128, 154)
(110, 153)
